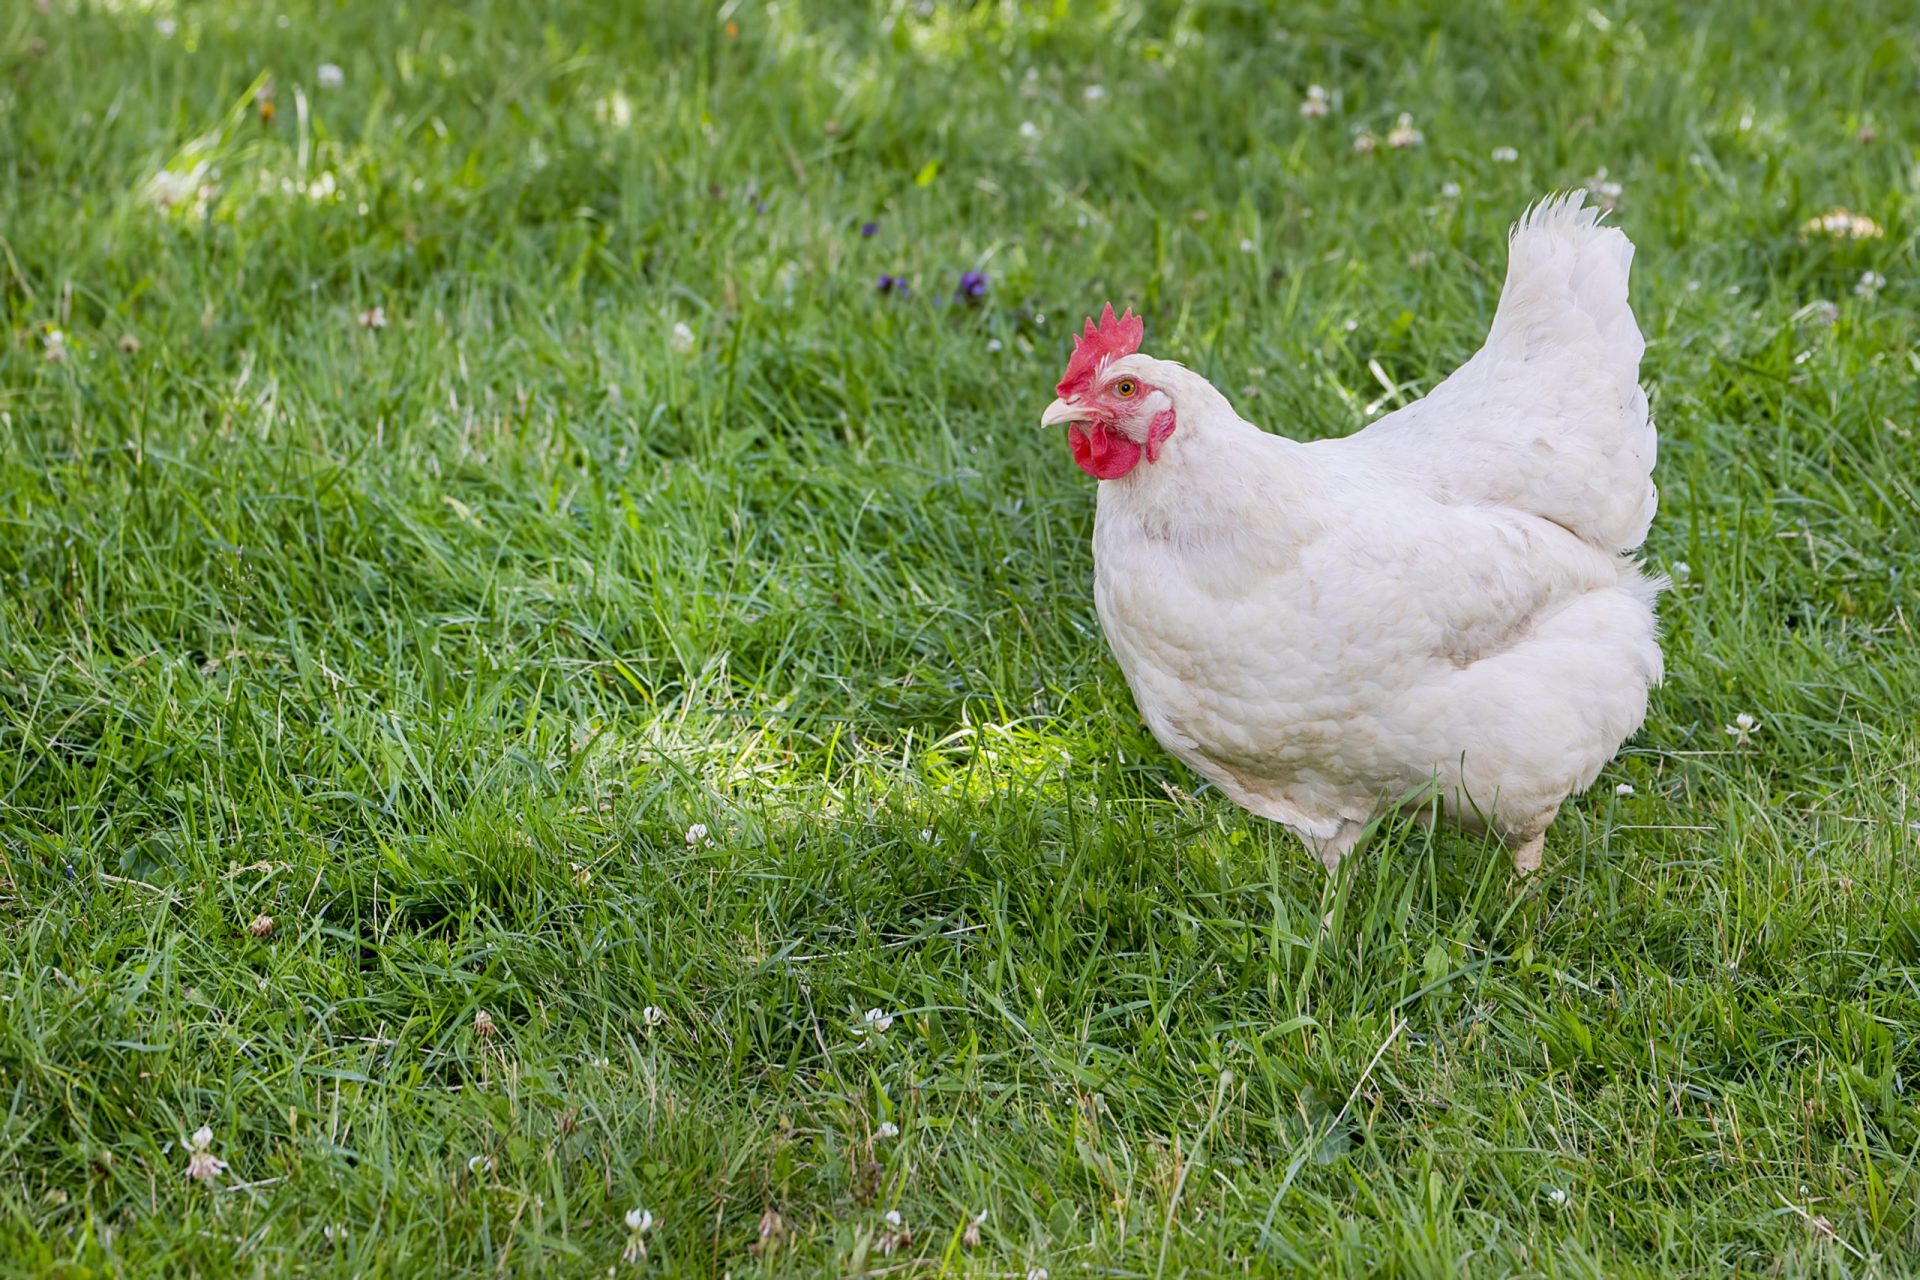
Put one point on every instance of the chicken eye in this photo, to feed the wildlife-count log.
(1125, 388)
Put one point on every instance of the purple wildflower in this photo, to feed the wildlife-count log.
(868, 230)
(894, 284)
(761, 207)
(973, 286)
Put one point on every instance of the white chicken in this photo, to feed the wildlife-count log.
(1438, 611)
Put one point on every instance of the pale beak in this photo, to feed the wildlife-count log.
(1061, 412)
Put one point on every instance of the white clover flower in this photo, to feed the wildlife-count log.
(639, 1222)
(1449, 191)
(1364, 142)
(1317, 102)
(698, 831)
(335, 1232)
(56, 352)
(897, 1236)
(479, 1164)
(653, 1015)
(202, 1164)
(887, 1129)
(1403, 134)
(1557, 1197)
(166, 27)
(1246, 246)
(1842, 224)
(1094, 93)
(681, 342)
(1505, 155)
(373, 318)
(993, 346)
(1624, 789)
(171, 188)
(330, 76)
(1742, 729)
(1871, 283)
(616, 109)
(1036, 1273)
(483, 1024)
(1029, 131)
(1681, 570)
(873, 1020)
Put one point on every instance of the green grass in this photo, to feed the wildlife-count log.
(432, 641)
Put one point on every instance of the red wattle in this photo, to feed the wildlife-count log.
(1101, 453)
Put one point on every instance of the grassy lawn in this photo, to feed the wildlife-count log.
(487, 520)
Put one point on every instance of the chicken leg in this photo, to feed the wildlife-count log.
(1527, 849)
(1338, 845)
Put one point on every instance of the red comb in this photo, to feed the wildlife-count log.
(1109, 340)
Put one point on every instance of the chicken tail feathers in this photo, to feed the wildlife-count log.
(1564, 267)
(1549, 417)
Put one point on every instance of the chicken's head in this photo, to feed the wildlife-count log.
(1114, 414)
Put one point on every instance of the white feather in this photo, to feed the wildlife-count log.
(1549, 416)
(1436, 606)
